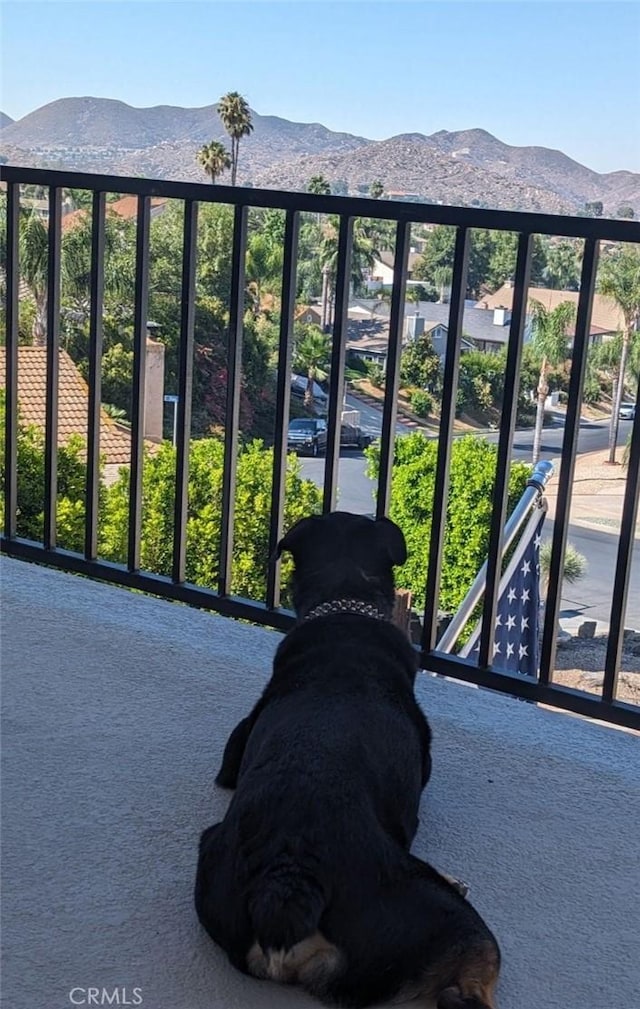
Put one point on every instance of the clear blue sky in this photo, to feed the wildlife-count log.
(561, 75)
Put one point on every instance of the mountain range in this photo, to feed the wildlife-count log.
(463, 167)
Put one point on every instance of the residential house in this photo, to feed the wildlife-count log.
(368, 329)
(126, 207)
(607, 318)
(383, 269)
(73, 402)
(309, 314)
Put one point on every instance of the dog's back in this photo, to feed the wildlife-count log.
(336, 753)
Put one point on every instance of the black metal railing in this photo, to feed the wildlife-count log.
(464, 220)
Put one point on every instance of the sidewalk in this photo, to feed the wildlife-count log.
(598, 491)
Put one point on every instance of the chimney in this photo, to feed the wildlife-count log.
(154, 390)
(414, 326)
(501, 316)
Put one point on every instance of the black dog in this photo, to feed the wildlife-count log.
(309, 879)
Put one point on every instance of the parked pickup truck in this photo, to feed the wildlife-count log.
(308, 435)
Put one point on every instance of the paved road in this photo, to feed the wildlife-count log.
(591, 596)
(356, 491)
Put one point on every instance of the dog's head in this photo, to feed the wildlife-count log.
(344, 556)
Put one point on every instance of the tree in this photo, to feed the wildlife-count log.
(420, 364)
(370, 238)
(34, 257)
(235, 114)
(469, 508)
(252, 514)
(625, 212)
(376, 190)
(214, 159)
(312, 353)
(30, 490)
(263, 267)
(319, 186)
(549, 345)
(562, 270)
(206, 456)
(620, 282)
(593, 209)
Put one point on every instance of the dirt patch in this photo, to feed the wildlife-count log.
(580, 664)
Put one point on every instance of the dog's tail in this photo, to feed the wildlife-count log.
(285, 905)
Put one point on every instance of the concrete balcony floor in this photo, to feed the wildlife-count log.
(116, 710)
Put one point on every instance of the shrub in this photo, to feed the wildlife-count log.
(421, 403)
(470, 503)
(376, 374)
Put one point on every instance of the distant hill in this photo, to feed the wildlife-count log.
(468, 166)
(5, 120)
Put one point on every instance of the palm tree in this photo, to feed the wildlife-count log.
(369, 239)
(214, 159)
(562, 270)
(235, 114)
(620, 281)
(263, 267)
(33, 269)
(319, 186)
(311, 357)
(549, 344)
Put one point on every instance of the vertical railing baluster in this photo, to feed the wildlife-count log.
(623, 563)
(185, 388)
(232, 414)
(95, 376)
(283, 390)
(336, 379)
(505, 443)
(445, 437)
(567, 465)
(11, 364)
(392, 377)
(139, 366)
(53, 364)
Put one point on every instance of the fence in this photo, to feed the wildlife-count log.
(464, 220)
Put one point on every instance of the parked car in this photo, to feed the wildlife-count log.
(352, 436)
(308, 436)
(299, 387)
(627, 411)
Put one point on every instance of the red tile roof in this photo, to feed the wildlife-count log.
(73, 403)
(126, 207)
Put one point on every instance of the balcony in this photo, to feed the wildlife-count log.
(118, 704)
(117, 707)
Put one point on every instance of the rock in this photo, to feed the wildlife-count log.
(587, 629)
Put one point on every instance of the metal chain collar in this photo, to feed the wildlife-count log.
(346, 606)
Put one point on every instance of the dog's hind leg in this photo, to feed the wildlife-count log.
(463, 979)
(475, 980)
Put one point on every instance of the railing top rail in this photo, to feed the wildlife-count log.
(419, 213)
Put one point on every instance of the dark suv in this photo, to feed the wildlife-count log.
(309, 435)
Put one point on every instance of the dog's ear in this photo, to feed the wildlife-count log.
(391, 537)
(296, 536)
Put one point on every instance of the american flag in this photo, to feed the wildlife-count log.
(516, 638)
